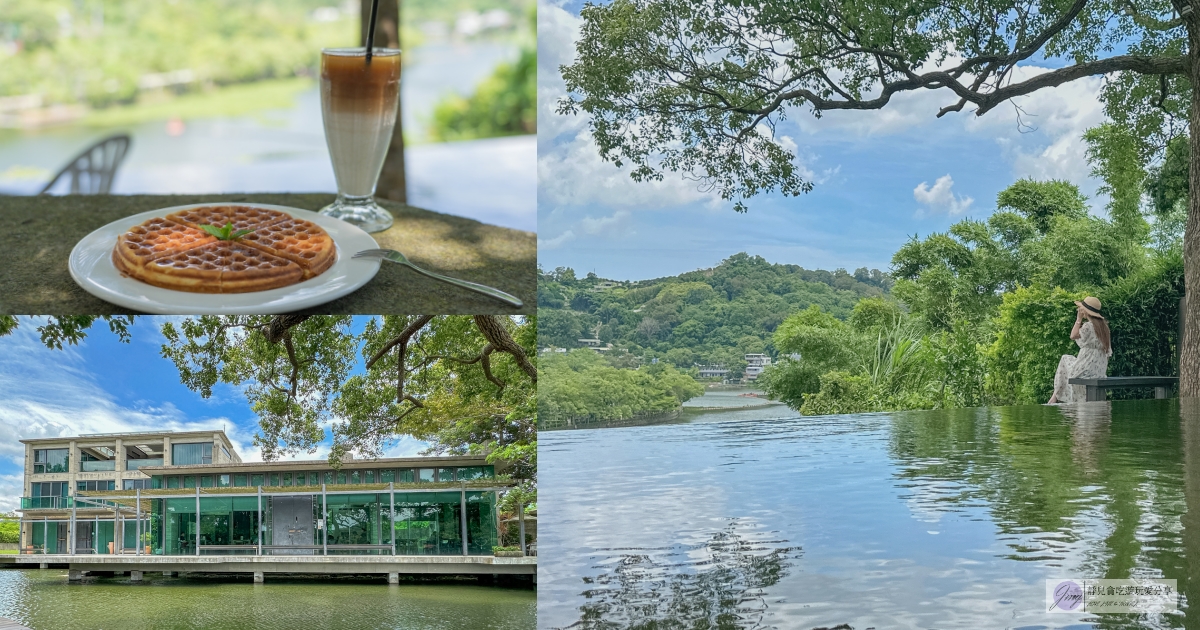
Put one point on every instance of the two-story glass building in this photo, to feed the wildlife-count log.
(190, 494)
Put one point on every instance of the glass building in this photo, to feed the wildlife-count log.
(199, 498)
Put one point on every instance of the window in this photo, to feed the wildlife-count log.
(426, 475)
(156, 482)
(355, 476)
(341, 477)
(239, 481)
(51, 460)
(206, 481)
(404, 475)
(472, 472)
(312, 478)
(189, 454)
(274, 479)
(189, 481)
(287, 478)
(94, 486)
(329, 477)
(368, 476)
(49, 489)
(225, 452)
(445, 474)
(222, 481)
(172, 482)
(134, 484)
(387, 476)
(257, 480)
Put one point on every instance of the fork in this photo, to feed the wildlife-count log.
(397, 257)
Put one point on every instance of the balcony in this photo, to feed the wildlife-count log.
(134, 464)
(45, 503)
(97, 465)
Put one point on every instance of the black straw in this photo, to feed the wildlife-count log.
(371, 29)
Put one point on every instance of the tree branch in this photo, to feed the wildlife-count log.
(403, 337)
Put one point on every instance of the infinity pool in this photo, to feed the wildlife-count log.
(760, 518)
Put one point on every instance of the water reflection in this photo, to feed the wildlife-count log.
(720, 583)
(950, 518)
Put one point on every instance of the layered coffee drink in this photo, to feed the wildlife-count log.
(359, 99)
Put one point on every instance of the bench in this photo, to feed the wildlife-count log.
(1096, 387)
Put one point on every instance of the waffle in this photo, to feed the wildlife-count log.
(302, 242)
(173, 253)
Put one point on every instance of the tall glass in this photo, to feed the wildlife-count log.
(358, 105)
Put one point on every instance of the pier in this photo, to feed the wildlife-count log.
(260, 566)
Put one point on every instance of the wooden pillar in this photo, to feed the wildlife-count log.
(392, 181)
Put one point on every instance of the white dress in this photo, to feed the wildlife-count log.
(1092, 362)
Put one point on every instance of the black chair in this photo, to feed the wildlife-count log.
(92, 171)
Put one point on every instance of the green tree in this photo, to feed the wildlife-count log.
(462, 384)
(698, 88)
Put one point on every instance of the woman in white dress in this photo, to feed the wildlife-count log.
(1095, 346)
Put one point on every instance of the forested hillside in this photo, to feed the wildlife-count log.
(701, 317)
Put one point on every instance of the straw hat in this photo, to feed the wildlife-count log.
(1091, 306)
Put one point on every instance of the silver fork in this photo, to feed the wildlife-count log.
(397, 257)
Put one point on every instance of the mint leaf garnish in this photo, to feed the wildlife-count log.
(225, 233)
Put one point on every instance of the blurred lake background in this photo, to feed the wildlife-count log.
(221, 96)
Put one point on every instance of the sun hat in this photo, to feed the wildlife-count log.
(1091, 305)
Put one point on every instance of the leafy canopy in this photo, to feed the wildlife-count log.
(698, 88)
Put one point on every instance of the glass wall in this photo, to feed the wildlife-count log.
(51, 460)
(357, 519)
(51, 534)
(427, 523)
(188, 454)
(424, 523)
(228, 521)
(178, 526)
(481, 523)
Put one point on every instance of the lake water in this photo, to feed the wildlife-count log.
(761, 518)
(284, 150)
(43, 600)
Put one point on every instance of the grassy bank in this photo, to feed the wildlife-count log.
(232, 100)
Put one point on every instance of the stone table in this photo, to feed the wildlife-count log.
(38, 233)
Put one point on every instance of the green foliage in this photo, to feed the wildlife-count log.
(699, 87)
(503, 104)
(1047, 239)
(1114, 153)
(1041, 202)
(1033, 332)
(108, 47)
(1143, 315)
(9, 531)
(582, 385)
(1167, 186)
(438, 379)
(712, 316)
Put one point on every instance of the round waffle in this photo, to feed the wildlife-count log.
(174, 253)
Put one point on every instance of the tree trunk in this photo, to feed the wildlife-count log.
(392, 183)
(1189, 356)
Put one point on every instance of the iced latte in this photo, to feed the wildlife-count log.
(358, 104)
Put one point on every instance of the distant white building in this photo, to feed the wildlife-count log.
(755, 364)
(713, 371)
(595, 344)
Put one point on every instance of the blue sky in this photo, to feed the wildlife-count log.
(880, 178)
(104, 386)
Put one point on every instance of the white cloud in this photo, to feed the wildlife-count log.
(940, 198)
(557, 241)
(615, 225)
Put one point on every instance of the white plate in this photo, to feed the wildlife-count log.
(92, 268)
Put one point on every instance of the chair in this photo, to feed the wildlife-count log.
(92, 171)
